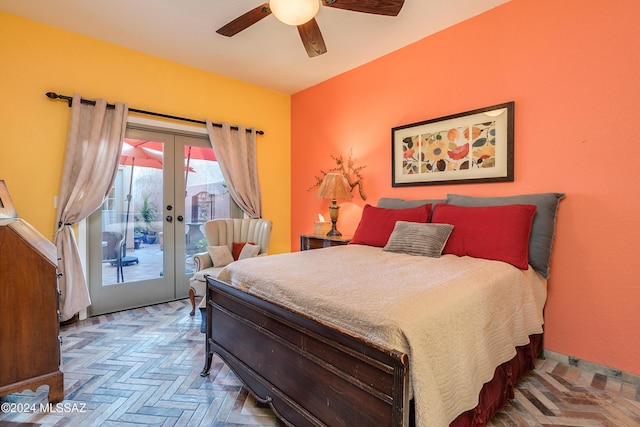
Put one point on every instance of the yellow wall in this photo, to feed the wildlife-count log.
(35, 59)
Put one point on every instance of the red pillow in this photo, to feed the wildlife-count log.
(498, 233)
(237, 248)
(376, 224)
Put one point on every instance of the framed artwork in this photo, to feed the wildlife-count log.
(6, 205)
(471, 147)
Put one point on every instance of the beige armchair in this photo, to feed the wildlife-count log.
(218, 232)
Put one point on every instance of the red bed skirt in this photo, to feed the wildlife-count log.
(496, 392)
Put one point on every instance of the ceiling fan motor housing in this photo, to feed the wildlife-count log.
(294, 12)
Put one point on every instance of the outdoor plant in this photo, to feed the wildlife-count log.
(137, 228)
(201, 245)
(148, 210)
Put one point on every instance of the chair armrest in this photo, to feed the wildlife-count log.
(202, 260)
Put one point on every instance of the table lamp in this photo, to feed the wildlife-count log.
(334, 186)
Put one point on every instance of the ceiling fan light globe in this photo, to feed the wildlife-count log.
(294, 12)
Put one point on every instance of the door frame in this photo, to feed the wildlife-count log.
(147, 124)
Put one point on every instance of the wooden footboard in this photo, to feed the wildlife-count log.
(309, 373)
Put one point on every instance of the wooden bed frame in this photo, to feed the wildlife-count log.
(312, 374)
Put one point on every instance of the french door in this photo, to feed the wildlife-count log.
(142, 239)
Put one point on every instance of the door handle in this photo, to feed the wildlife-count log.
(169, 218)
(180, 218)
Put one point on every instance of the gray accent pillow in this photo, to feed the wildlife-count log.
(393, 203)
(544, 221)
(415, 238)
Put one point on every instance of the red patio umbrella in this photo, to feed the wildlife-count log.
(200, 153)
(190, 152)
(140, 156)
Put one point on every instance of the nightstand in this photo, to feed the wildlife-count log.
(317, 241)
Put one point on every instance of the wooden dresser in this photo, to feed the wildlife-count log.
(29, 316)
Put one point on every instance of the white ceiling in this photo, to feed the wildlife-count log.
(268, 54)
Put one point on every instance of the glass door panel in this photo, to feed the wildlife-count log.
(206, 195)
(128, 261)
(137, 217)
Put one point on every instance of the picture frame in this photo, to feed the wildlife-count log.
(471, 147)
(6, 205)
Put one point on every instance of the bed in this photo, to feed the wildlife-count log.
(406, 326)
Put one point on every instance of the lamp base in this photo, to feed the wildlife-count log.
(334, 210)
(334, 231)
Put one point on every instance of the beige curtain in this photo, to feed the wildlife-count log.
(90, 166)
(236, 154)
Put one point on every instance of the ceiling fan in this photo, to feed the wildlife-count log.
(301, 13)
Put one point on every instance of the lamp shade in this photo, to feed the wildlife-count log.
(334, 186)
(294, 12)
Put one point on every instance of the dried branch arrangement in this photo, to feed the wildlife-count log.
(348, 169)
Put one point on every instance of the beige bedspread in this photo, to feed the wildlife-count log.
(457, 318)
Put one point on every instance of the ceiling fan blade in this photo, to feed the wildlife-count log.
(245, 21)
(312, 38)
(378, 7)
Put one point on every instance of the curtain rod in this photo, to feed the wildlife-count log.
(69, 100)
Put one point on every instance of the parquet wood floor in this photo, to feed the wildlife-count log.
(141, 367)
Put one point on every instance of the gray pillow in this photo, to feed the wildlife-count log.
(393, 203)
(415, 238)
(544, 221)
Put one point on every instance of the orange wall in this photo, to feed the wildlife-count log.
(36, 58)
(573, 71)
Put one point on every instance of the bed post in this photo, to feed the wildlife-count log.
(208, 354)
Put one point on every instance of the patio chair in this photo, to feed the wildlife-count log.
(112, 251)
